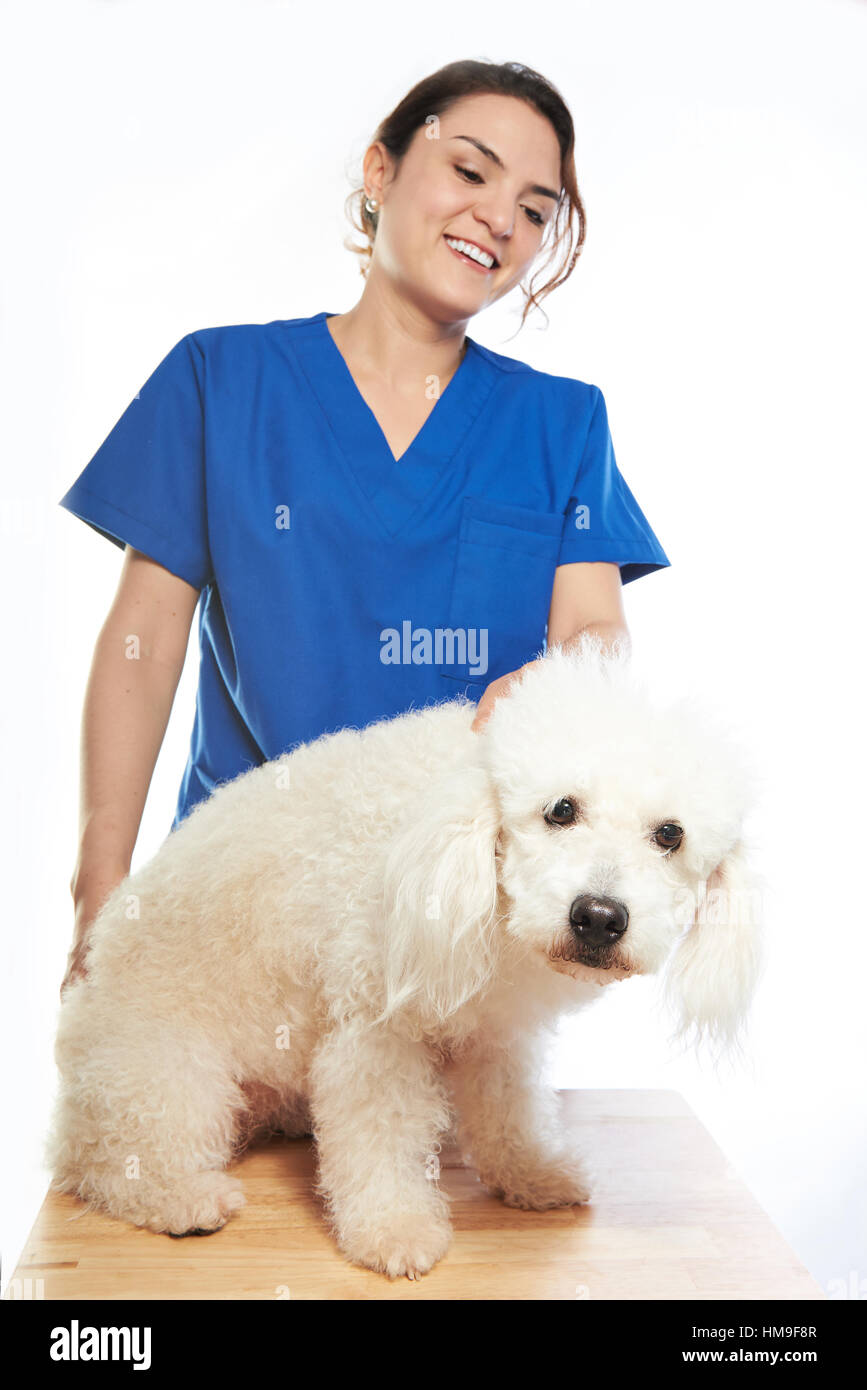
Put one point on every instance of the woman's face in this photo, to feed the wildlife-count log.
(487, 172)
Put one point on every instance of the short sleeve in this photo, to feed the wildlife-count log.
(145, 485)
(603, 520)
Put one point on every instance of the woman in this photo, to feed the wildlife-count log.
(377, 511)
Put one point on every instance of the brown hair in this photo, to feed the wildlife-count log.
(436, 94)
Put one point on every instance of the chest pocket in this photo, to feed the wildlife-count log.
(501, 591)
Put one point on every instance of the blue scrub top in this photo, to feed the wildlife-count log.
(340, 586)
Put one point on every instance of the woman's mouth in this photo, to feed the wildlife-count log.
(471, 255)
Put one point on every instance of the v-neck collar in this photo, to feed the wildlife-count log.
(393, 488)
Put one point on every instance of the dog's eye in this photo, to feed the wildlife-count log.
(669, 836)
(563, 812)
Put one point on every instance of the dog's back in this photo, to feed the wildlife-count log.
(256, 884)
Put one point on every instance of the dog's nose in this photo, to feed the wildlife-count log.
(598, 921)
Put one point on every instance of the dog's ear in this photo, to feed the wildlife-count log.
(712, 975)
(440, 900)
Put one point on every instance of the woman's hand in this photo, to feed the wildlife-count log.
(492, 693)
(611, 633)
(75, 964)
(91, 884)
(85, 913)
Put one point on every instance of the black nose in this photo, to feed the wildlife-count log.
(598, 921)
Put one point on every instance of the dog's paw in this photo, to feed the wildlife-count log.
(403, 1244)
(203, 1202)
(561, 1183)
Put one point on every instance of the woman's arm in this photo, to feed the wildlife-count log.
(137, 663)
(585, 596)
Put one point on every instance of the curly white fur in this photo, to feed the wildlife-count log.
(370, 937)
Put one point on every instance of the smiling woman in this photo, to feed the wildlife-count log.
(438, 124)
(326, 480)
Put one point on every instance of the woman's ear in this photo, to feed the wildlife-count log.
(440, 900)
(712, 975)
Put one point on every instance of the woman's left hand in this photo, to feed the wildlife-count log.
(611, 632)
(492, 694)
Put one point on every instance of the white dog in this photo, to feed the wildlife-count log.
(372, 935)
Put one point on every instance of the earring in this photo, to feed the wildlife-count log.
(371, 204)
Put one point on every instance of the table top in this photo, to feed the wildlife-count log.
(669, 1219)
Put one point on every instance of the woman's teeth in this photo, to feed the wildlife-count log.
(466, 248)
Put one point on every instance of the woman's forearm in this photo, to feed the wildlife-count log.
(610, 632)
(127, 705)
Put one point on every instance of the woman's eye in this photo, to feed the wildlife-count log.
(563, 812)
(669, 836)
(472, 177)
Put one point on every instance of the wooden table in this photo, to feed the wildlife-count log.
(669, 1220)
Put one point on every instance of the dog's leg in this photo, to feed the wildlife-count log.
(144, 1121)
(379, 1109)
(510, 1129)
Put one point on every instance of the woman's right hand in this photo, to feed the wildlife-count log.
(89, 892)
(75, 963)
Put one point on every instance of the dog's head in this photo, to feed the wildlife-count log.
(602, 832)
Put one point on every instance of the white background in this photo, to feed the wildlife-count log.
(172, 166)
